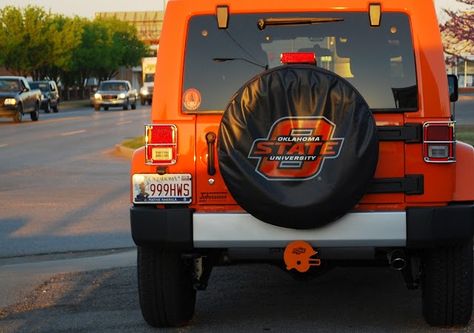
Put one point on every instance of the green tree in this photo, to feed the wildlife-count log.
(64, 35)
(106, 45)
(23, 33)
(37, 43)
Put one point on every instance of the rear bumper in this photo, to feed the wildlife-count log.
(180, 228)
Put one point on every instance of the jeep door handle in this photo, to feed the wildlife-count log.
(210, 139)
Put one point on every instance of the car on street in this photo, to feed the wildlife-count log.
(115, 93)
(50, 95)
(17, 98)
(308, 135)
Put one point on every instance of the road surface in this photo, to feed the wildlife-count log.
(61, 186)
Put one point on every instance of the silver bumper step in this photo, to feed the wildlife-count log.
(373, 229)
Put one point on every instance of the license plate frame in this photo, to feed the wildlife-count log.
(162, 189)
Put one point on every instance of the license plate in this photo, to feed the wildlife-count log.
(162, 189)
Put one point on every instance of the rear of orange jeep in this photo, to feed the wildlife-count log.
(307, 135)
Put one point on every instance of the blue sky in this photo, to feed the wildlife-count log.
(87, 8)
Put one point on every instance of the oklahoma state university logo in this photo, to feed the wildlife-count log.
(295, 148)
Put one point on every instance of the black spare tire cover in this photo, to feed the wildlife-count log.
(297, 146)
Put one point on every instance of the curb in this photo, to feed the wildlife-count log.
(74, 104)
(124, 151)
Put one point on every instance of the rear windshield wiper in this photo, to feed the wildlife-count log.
(263, 23)
(265, 67)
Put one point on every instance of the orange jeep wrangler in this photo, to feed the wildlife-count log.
(305, 134)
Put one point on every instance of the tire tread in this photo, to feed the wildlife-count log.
(447, 285)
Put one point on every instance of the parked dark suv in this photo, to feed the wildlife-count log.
(50, 95)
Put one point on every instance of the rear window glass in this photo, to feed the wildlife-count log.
(379, 62)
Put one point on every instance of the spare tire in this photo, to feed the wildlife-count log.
(297, 146)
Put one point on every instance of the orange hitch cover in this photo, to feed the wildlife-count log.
(298, 255)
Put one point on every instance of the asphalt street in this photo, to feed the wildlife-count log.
(62, 188)
(248, 298)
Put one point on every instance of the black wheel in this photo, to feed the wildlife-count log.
(47, 108)
(18, 117)
(134, 105)
(35, 114)
(126, 106)
(97, 107)
(165, 288)
(142, 101)
(56, 107)
(447, 285)
(106, 108)
(149, 101)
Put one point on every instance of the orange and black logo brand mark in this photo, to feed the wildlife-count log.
(299, 255)
(295, 148)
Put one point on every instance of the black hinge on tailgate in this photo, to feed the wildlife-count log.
(410, 185)
(410, 133)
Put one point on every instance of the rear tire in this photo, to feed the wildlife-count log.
(447, 285)
(35, 114)
(56, 107)
(106, 108)
(165, 288)
(134, 106)
(142, 101)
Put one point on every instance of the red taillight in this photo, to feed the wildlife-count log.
(298, 58)
(439, 142)
(161, 143)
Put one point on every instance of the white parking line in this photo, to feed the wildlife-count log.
(72, 133)
(3, 145)
(123, 122)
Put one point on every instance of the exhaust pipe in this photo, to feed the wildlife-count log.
(397, 260)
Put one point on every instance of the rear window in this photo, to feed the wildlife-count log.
(379, 62)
